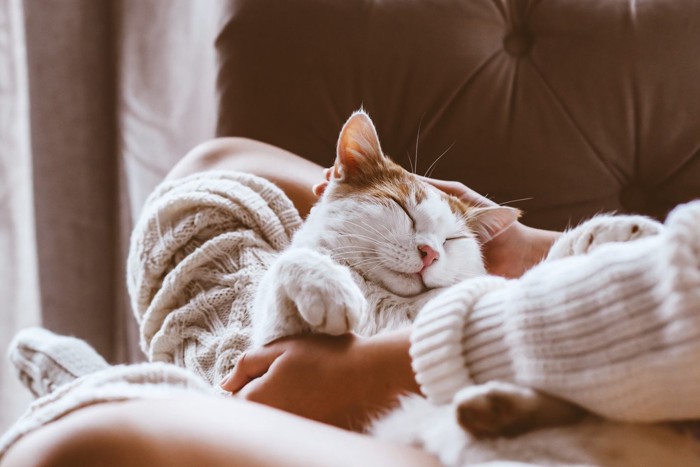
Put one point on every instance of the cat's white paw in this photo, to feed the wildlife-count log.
(324, 293)
(332, 307)
(600, 230)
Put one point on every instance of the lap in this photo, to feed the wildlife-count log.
(201, 431)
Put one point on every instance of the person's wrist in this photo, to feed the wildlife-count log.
(517, 249)
(540, 242)
(388, 363)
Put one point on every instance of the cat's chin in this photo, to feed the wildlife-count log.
(403, 284)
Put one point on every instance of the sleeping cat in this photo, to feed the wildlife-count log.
(379, 244)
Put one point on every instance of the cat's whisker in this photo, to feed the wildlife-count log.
(364, 237)
(361, 262)
(420, 123)
(381, 263)
(355, 261)
(374, 229)
(505, 203)
(367, 239)
(352, 249)
(429, 172)
(394, 234)
(350, 254)
(365, 228)
(410, 162)
(365, 263)
(345, 246)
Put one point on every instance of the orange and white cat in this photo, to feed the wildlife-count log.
(377, 246)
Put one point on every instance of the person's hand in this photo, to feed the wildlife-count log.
(341, 380)
(320, 187)
(509, 254)
(516, 249)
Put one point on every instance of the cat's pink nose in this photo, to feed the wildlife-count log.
(428, 255)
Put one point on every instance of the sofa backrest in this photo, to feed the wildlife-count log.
(579, 106)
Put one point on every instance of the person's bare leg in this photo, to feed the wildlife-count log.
(201, 431)
(293, 174)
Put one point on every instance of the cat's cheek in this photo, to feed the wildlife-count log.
(462, 260)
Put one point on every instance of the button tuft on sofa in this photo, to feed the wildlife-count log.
(634, 199)
(518, 43)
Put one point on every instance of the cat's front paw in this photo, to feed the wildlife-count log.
(325, 296)
(332, 307)
(601, 230)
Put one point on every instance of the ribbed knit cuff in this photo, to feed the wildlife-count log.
(437, 350)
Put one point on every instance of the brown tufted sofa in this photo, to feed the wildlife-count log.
(580, 106)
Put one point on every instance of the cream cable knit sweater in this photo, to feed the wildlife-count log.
(197, 252)
(616, 331)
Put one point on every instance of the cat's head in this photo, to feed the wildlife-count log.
(395, 229)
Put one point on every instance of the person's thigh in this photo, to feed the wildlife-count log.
(201, 431)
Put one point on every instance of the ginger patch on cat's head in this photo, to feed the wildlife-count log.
(362, 169)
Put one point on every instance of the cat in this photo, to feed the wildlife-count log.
(379, 239)
(380, 243)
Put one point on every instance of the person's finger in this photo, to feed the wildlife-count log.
(254, 391)
(459, 190)
(250, 366)
(319, 188)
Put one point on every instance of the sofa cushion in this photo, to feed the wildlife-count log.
(580, 106)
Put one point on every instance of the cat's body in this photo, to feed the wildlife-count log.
(376, 247)
(381, 243)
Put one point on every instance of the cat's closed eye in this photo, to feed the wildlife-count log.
(403, 208)
(460, 237)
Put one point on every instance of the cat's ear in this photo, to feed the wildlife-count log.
(490, 221)
(358, 147)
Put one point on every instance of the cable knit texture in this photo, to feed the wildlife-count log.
(196, 255)
(616, 331)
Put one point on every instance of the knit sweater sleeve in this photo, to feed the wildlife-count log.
(197, 252)
(616, 331)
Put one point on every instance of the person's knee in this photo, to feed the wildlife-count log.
(217, 153)
(96, 436)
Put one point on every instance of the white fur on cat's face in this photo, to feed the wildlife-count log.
(374, 216)
(377, 238)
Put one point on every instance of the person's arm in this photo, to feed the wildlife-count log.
(616, 331)
(293, 174)
(342, 380)
(513, 251)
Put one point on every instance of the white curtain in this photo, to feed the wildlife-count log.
(19, 296)
(98, 100)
